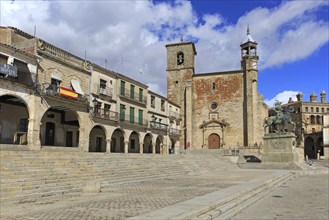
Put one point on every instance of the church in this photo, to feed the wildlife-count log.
(219, 109)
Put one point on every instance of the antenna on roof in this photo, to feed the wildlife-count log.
(105, 63)
(35, 30)
(181, 38)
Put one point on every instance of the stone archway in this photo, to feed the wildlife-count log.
(159, 145)
(147, 146)
(309, 148)
(97, 139)
(118, 141)
(60, 127)
(14, 120)
(213, 141)
(133, 146)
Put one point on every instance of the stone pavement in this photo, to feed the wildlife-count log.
(191, 197)
(304, 197)
(131, 199)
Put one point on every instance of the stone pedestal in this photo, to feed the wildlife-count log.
(279, 148)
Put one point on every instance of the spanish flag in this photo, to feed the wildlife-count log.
(68, 93)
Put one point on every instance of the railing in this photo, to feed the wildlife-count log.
(104, 114)
(104, 91)
(174, 131)
(158, 125)
(175, 115)
(55, 91)
(136, 121)
(133, 96)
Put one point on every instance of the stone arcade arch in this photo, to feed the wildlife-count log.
(60, 127)
(97, 139)
(14, 120)
(148, 145)
(159, 145)
(133, 146)
(118, 141)
(309, 149)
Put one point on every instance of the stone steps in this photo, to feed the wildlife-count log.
(35, 175)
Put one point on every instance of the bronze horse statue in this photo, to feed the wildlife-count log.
(281, 119)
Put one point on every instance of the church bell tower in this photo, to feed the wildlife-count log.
(249, 65)
(180, 71)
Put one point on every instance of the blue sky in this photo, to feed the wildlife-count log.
(131, 35)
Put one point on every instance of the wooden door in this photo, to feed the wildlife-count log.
(214, 141)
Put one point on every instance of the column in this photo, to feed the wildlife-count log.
(108, 146)
(126, 146)
(141, 148)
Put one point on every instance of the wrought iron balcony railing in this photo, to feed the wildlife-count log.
(174, 131)
(104, 91)
(133, 120)
(104, 114)
(61, 93)
(133, 95)
(175, 115)
(158, 125)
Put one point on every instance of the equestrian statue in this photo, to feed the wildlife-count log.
(281, 119)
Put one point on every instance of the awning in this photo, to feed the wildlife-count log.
(76, 86)
(56, 75)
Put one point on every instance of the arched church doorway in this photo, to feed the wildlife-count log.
(214, 141)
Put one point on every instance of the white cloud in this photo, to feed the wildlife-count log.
(282, 97)
(132, 35)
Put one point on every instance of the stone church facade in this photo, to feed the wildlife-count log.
(220, 109)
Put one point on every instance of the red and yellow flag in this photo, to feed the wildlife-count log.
(68, 93)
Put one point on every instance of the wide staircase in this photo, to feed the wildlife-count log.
(36, 176)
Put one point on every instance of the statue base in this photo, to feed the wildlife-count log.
(279, 148)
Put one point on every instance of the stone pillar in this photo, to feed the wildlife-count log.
(153, 147)
(189, 116)
(108, 145)
(126, 146)
(33, 135)
(141, 148)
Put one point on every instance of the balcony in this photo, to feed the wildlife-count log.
(61, 94)
(133, 96)
(133, 121)
(174, 131)
(158, 126)
(103, 114)
(174, 116)
(104, 91)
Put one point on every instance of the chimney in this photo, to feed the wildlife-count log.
(313, 97)
(323, 96)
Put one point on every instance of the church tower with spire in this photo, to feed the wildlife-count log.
(249, 65)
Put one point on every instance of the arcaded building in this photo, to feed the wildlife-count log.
(219, 109)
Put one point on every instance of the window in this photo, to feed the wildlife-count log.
(322, 110)
(214, 105)
(23, 124)
(132, 115)
(123, 84)
(132, 91)
(176, 83)
(312, 109)
(306, 109)
(180, 58)
(213, 86)
(102, 86)
(77, 137)
(122, 112)
(141, 95)
(55, 84)
(107, 108)
(163, 105)
(140, 117)
(317, 109)
(152, 101)
(313, 130)
(312, 119)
